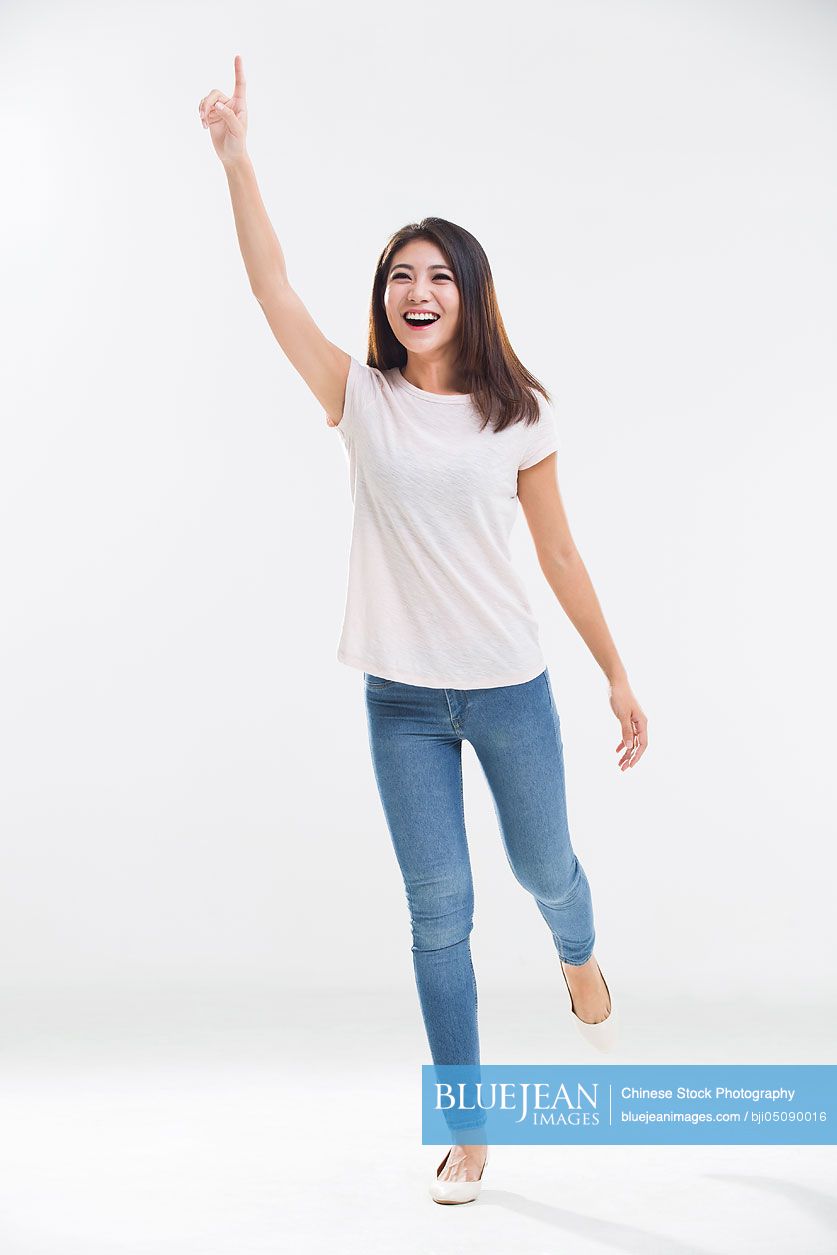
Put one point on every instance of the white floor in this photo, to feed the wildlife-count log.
(192, 1124)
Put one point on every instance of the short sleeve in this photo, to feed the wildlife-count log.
(362, 392)
(541, 438)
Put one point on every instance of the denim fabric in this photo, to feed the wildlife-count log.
(416, 735)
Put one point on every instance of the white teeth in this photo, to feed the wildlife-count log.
(416, 317)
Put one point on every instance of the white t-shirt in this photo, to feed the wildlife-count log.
(432, 597)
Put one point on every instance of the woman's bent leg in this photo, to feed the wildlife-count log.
(515, 732)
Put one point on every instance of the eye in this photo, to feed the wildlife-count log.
(402, 274)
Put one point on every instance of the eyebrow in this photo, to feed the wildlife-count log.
(437, 266)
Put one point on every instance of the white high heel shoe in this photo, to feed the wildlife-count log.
(603, 1036)
(455, 1191)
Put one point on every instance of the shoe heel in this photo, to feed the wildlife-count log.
(603, 1036)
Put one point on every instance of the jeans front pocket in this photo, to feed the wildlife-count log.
(376, 681)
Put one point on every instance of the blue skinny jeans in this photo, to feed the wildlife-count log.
(416, 735)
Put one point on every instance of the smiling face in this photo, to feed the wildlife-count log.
(422, 282)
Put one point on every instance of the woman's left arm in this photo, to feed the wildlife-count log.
(566, 574)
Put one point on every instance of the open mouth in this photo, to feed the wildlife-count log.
(420, 320)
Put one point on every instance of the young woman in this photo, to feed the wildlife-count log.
(445, 430)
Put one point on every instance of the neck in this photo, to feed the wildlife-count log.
(439, 377)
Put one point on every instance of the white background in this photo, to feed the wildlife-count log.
(188, 801)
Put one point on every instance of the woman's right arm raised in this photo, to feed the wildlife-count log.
(322, 365)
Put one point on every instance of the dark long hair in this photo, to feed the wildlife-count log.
(501, 387)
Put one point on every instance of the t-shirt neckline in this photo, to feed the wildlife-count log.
(460, 398)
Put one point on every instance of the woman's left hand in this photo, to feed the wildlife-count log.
(631, 716)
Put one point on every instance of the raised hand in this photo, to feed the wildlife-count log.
(226, 118)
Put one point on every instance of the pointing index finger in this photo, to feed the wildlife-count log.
(240, 81)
